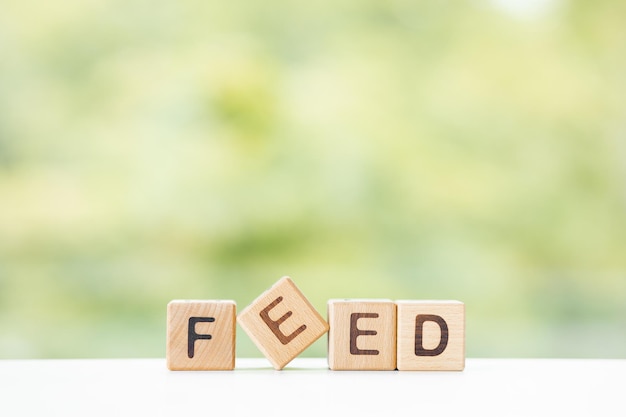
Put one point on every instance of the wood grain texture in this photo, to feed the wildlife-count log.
(201, 335)
(362, 335)
(282, 323)
(431, 335)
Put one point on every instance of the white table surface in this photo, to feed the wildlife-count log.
(144, 387)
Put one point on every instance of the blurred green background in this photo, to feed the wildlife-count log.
(390, 149)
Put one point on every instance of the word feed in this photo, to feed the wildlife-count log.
(368, 334)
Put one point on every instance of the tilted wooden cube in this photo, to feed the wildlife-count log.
(362, 335)
(431, 335)
(201, 335)
(282, 322)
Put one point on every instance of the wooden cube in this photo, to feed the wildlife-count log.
(362, 335)
(201, 335)
(282, 323)
(431, 335)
